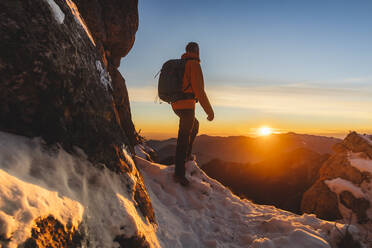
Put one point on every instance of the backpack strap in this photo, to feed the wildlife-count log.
(189, 85)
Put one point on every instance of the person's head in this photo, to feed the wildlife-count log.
(192, 47)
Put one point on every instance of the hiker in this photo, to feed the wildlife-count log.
(192, 85)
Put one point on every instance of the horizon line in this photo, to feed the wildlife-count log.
(326, 135)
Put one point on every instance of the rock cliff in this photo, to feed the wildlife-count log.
(113, 24)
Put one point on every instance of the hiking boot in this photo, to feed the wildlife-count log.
(181, 180)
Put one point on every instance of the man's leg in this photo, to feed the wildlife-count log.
(194, 132)
(187, 117)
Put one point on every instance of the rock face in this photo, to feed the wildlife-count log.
(49, 232)
(55, 83)
(342, 189)
(113, 24)
(279, 180)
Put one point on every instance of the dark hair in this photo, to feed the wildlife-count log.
(192, 47)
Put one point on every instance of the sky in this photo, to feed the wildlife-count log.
(294, 66)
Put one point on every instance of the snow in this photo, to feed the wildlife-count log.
(207, 214)
(367, 137)
(37, 182)
(140, 151)
(79, 20)
(60, 16)
(338, 185)
(361, 163)
(104, 76)
(22, 202)
(41, 181)
(143, 150)
(57, 12)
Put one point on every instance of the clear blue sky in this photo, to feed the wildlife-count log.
(302, 66)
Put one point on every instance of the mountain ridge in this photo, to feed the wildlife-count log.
(244, 149)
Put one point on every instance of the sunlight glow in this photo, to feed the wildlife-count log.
(264, 131)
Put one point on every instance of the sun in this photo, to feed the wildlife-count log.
(265, 131)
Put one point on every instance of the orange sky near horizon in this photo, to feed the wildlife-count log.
(157, 121)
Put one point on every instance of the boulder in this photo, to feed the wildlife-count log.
(49, 232)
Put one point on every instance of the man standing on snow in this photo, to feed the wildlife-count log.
(193, 83)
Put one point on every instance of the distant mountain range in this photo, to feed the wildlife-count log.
(242, 149)
(280, 180)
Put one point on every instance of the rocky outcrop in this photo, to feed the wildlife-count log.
(321, 201)
(135, 241)
(359, 206)
(356, 143)
(49, 232)
(327, 202)
(113, 24)
(59, 79)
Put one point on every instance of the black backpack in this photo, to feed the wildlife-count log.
(171, 81)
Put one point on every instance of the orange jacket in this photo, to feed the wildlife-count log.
(194, 75)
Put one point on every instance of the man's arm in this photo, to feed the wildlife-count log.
(197, 83)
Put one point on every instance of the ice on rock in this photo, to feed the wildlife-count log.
(104, 76)
(57, 12)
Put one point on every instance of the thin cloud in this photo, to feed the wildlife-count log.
(300, 99)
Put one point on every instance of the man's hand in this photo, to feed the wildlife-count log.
(210, 117)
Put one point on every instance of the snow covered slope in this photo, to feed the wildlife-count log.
(37, 181)
(207, 214)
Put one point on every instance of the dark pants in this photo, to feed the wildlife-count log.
(188, 129)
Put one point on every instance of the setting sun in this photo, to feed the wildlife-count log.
(264, 131)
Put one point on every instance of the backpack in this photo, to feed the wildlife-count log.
(171, 81)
